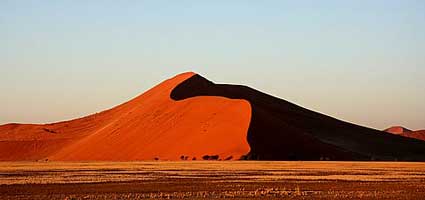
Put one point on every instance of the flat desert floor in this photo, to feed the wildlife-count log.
(212, 180)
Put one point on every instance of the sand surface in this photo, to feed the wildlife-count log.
(189, 117)
(419, 134)
(151, 126)
(399, 130)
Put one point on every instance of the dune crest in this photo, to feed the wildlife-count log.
(189, 117)
(280, 130)
(397, 130)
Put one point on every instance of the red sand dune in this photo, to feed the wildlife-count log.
(420, 134)
(150, 126)
(190, 116)
(399, 130)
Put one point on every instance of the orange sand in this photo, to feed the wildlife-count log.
(189, 117)
(150, 126)
(399, 130)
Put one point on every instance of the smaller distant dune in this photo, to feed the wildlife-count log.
(397, 130)
(400, 130)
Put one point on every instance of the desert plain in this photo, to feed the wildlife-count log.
(212, 180)
(189, 138)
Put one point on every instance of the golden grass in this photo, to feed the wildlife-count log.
(243, 171)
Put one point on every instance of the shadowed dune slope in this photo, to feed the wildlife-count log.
(151, 126)
(280, 130)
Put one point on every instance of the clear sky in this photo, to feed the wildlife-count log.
(360, 61)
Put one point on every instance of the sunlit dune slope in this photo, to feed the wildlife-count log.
(420, 134)
(151, 126)
(397, 130)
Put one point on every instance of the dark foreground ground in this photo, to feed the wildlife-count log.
(212, 180)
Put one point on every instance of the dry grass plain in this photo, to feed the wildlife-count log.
(212, 180)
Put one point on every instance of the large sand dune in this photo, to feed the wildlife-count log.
(189, 117)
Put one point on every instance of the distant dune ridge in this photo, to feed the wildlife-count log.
(189, 117)
(399, 130)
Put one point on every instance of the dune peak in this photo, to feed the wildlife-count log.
(188, 117)
(397, 130)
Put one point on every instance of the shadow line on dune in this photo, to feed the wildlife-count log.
(280, 130)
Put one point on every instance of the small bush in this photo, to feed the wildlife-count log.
(184, 157)
(214, 157)
(206, 157)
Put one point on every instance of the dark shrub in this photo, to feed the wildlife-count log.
(214, 157)
(206, 157)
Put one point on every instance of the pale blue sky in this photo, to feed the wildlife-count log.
(360, 61)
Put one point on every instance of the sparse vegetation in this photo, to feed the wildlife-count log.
(212, 180)
(208, 157)
(183, 157)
